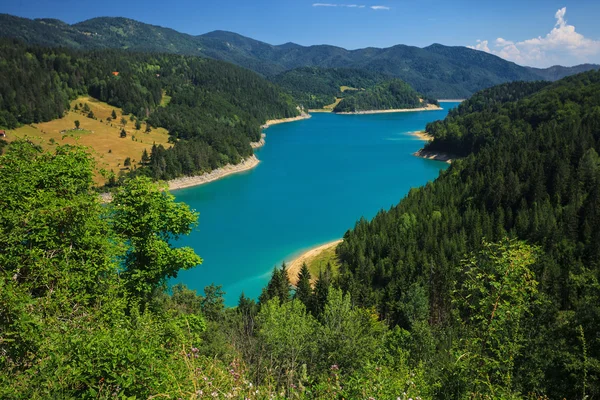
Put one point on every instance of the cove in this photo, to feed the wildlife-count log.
(316, 178)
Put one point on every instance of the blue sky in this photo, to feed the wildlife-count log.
(529, 32)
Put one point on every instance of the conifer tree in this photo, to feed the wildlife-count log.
(303, 289)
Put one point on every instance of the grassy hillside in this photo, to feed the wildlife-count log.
(100, 136)
(211, 109)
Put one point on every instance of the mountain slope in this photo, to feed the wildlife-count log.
(531, 172)
(436, 71)
(557, 72)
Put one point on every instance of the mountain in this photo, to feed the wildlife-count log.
(436, 71)
(557, 72)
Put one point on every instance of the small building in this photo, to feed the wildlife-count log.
(115, 73)
(2, 134)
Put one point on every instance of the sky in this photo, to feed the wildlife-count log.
(537, 33)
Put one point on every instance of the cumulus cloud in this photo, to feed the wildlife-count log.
(563, 45)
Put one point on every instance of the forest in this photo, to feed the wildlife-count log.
(530, 172)
(215, 105)
(480, 285)
(314, 88)
(388, 95)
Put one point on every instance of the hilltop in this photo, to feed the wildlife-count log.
(437, 71)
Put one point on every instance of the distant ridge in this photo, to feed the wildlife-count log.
(436, 70)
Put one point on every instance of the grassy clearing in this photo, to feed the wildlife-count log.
(319, 262)
(328, 108)
(99, 135)
(165, 100)
(345, 88)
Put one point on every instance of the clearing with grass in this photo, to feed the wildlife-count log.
(101, 134)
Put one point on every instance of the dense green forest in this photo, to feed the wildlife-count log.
(391, 94)
(531, 172)
(437, 71)
(215, 110)
(314, 87)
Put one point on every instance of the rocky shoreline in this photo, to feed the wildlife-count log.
(434, 155)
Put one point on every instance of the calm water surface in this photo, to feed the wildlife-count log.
(316, 178)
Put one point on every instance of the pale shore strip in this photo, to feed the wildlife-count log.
(430, 155)
(229, 169)
(422, 135)
(272, 122)
(294, 267)
(196, 180)
(430, 107)
(260, 143)
(434, 155)
(451, 100)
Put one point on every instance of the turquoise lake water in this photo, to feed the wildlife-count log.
(316, 178)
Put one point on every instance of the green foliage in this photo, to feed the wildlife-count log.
(216, 106)
(303, 287)
(77, 124)
(279, 286)
(148, 219)
(350, 337)
(70, 325)
(531, 173)
(313, 87)
(287, 332)
(392, 94)
(437, 71)
(497, 291)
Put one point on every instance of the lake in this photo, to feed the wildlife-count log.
(316, 178)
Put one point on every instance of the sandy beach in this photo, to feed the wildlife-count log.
(430, 107)
(272, 122)
(294, 267)
(422, 135)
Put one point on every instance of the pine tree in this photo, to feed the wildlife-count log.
(303, 289)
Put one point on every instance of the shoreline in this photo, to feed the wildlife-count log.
(294, 266)
(421, 135)
(226, 170)
(434, 155)
(396, 110)
(260, 143)
(430, 155)
(207, 177)
(451, 100)
(272, 122)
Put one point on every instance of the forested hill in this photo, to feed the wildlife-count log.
(533, 174)
(392, 94)
(437, 71)
(215, 108)
(314, 87)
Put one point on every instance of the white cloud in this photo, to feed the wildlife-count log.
(380, 7)
(563, 45)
